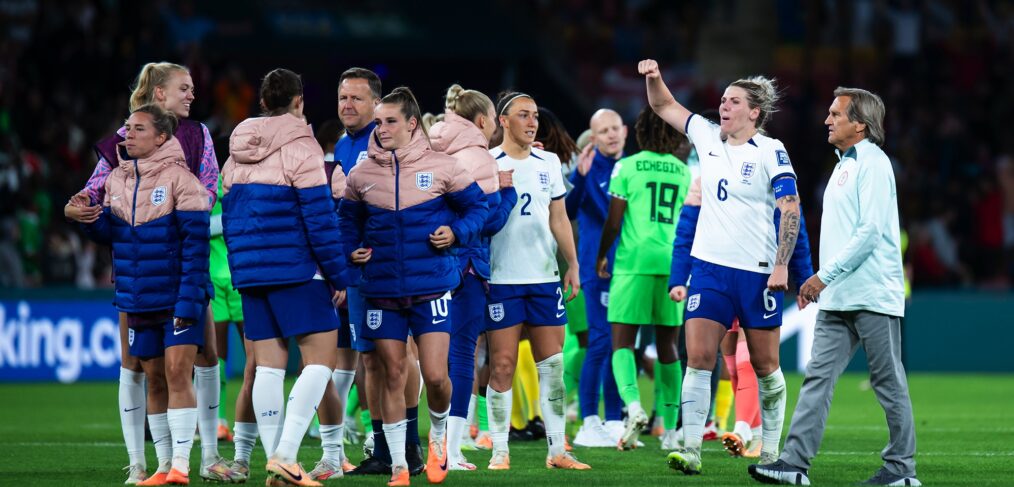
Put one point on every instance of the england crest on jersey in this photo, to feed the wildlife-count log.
(544, 180)
(158, 195)
(374, 318)
(496, 312)
(747, 171)
(424, 180)
(694, 302)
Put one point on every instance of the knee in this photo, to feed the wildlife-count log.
(703, 360)
(157, 385)
(372, 364)
(177, 375)
(434, 378)
(502, 368)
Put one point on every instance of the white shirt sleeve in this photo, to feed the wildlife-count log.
(701, 132)
(558, 190)
(776, 161)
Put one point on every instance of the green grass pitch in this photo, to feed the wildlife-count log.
(69, 435)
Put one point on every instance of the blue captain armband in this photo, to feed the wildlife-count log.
(784, 185)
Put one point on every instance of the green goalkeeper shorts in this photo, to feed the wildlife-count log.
(639, 299)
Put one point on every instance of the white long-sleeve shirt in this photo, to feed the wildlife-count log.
(860, 237)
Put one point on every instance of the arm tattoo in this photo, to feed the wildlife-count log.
(788, 231)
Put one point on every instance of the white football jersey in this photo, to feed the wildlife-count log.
(524, 251)
(736, 227)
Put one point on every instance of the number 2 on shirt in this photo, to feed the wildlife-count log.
(528, 200)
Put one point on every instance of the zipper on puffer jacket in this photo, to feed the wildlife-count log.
(397, 221)
(133, 204)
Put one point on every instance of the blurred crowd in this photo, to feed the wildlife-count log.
(943, 68)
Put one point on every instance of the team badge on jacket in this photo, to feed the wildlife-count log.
(496, 312)
(694, 302)
(374, 318)
(158, 195)
(424, 180)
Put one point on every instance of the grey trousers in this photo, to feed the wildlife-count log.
(836, 337)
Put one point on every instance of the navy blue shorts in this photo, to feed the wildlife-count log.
(420, 319)
(722, 294)
(288, 310)
(532, 304)
(151, 341)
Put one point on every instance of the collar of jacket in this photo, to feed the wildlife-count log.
(171, 152)
(416, 149)
(604, 161)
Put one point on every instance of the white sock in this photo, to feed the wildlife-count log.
(552, 398)
(499, 405)
(331, 442)
(245, 436)
(268, 396)
(471, 419)
(132, 410)
(742, 429)
(772, 404)
(438, 425)
(634, 407)
(695, 403)
(161, 437)
(395, 436)
(208, 391)
(343, 380)
(303, 401)
(756, 432)
(182, 425)
(455, 428)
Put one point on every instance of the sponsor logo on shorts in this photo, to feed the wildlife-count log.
(424, 180)
(604, 298)
(158, 195)
(496, 312)
(694, 302)
(374, 318)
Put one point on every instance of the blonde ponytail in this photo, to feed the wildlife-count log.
(152, 75)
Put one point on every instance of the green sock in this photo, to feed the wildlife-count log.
(669, 377)
(364, 417)
(222, 376)
(625, 370)
(352, 403)
(480, 411)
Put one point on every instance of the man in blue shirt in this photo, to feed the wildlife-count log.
(861, 291)
(589, 201)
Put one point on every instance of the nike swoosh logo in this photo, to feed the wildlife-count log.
(766, 316)
(115, 198)
(712, 154)
(560, 314)
(180, 442)
(213, 407)
(443, 466)
(132, 409)
(684, 403)
(296, 477)
(368, 187)
(603, 184)
(555, 398)
(437, 322)
(180, 331)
